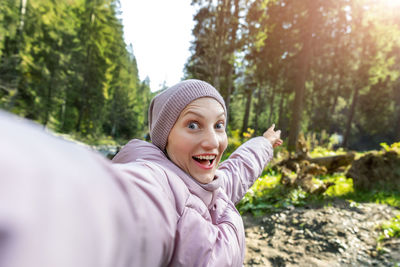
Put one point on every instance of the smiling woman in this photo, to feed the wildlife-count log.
(196, 195)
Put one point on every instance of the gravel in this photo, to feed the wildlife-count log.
(343, 234)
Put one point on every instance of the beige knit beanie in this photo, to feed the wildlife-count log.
(166, 107)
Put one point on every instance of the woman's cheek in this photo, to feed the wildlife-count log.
(224, 141)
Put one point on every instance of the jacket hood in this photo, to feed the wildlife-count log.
(138, 150)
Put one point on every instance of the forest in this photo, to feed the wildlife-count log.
(66, 65)
(319, 67)
(313, 67)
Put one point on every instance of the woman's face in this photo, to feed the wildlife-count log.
(198, 139)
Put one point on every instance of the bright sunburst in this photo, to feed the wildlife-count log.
(383, 9)
(391, 3)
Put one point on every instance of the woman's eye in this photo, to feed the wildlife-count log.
(220, 125)
(193, 125)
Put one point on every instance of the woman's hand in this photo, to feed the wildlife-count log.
(273, 136)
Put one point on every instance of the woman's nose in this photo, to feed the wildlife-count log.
(210, 139)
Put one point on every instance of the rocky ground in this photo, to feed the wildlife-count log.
(342, 234)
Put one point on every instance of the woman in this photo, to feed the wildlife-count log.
(168, 203)
(196, 197)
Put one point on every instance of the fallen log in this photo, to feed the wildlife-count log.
(333, 163)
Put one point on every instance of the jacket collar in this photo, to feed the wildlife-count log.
(140, 150)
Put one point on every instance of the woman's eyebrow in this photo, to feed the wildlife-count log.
(222, 114)
(188, 112)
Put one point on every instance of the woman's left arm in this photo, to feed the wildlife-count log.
(246, 164)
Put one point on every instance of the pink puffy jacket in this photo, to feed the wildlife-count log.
(200, 224)
(62, 205)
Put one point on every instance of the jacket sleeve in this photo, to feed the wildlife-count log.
(63, 205)
(244, 166)
(214, 241)
(155, 214)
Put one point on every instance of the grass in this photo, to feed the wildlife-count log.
(391, 228)
(268, 195)
(322, 152)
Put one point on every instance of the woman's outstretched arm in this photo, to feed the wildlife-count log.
(63, 205)
(246, 163)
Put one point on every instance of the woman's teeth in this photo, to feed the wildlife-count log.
(210, 157)
(205, 159)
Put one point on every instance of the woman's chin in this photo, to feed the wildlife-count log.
(204, 179)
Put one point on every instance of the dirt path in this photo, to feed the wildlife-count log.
(338, 235)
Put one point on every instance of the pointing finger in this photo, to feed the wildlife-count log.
(272, 126)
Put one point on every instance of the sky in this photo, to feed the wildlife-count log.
(160, 32)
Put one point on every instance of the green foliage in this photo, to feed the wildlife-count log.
(268, 195)
(391, 198)
(390, 229)
(66, 65)
(235, 139)
(343, 186)
(393, 147)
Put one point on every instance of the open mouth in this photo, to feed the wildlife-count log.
(205, 160)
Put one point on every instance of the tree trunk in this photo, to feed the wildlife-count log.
(228, 97)
(280, 112)
(333, 163)
(22, 15)
(113, 112)
(84, 94)
(350, 117)
(362, 77)
(397, 134)
(300, 78)
(48, 101)
(340, 82)
(336, 95)
(62, 113)
(258, 108)
(13, 83)
(221, 32)
(397, 109)
(231, 70)
(247, 110)
(271, 105)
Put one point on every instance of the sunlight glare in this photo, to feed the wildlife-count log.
(383, 9)
(390, 3)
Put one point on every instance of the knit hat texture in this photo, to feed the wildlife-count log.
(166, 107)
